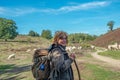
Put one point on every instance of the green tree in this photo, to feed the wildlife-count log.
(46, 34)
(7, 29)
(81, 37)
(110, 24)
(33, 33)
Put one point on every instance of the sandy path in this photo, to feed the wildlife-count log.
(110, 61)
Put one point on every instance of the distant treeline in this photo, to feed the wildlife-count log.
(73, 38)
(8, 30)
(81, 37)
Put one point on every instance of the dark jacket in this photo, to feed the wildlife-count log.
(61, 64)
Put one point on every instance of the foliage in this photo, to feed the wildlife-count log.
(7, 29)
(85, 45)
(81, 37)
(110, 24)
(46, 34)
(33, 33)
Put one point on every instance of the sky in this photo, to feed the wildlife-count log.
(71, 16)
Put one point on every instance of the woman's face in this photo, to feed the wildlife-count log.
(62, 41)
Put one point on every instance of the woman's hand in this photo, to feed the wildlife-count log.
(72, 56)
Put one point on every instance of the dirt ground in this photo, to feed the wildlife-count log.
(21, 65)
(109, 61)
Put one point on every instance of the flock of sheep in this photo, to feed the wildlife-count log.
(114, 46)
(69, 48)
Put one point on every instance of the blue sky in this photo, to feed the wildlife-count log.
(72, 16)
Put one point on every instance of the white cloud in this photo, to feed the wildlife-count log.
(84, 6)
(77, 7)
(16, 11)
(22, 11)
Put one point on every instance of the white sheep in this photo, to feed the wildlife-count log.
(28, 50)
(69, 48)
(12, 56)
(119, 46)
(79, 48)
(92, 47)
(114, 46)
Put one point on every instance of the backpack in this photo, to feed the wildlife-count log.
(41, 65)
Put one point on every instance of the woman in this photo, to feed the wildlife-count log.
(60, 61)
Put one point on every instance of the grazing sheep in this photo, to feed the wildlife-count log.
(119, 46)
(34, 49)
(69, 48)
(92, 47)
(72, 48)
(12, 56)
(28, 50)
(79, 47)
(113, 47)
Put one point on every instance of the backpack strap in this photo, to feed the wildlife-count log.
(52, 46)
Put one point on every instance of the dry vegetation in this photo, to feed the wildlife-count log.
(108, 38)
(23, 46)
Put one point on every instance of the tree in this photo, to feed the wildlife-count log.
(7, 29)
(110, 24)
(46, 34)
(33, 33)
(81, 37)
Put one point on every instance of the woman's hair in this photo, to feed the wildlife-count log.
(59, 35)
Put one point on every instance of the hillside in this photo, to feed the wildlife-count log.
(19, 67)
(108, 38)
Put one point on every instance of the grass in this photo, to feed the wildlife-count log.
(19, 68)
(111, 53)
(95, 72)
(6, 67)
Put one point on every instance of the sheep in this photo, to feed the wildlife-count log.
(12, 56)
(119, 46)
(79, 47)
(69, 48)
(114, 46)
(92, 46)
(28, 50)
